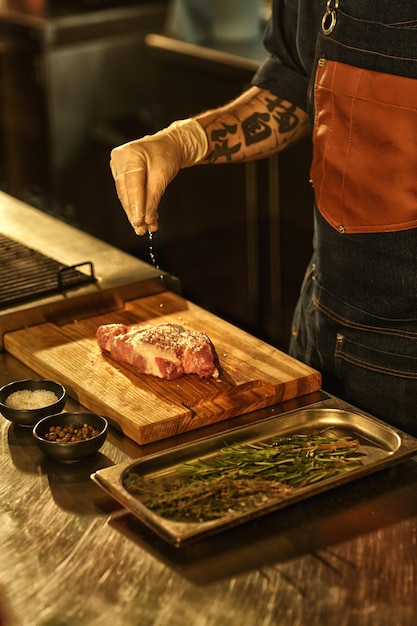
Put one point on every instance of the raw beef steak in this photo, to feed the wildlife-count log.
(165, 350)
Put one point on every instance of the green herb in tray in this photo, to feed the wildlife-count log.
(245, 476)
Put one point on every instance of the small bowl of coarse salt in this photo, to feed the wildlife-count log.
(25, 402)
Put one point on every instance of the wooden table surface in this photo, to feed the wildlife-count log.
(71, 557)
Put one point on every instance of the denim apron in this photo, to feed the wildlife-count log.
(356, 319)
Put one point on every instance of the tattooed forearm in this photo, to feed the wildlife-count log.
(254, 126)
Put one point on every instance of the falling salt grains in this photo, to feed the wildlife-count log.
(152, 254)
(151, 251)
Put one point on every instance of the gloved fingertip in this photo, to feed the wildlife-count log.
(140, 230)
(152, 228)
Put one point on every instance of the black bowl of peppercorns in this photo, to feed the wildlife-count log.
(71, 436)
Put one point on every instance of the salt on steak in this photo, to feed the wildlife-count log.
(165, 350)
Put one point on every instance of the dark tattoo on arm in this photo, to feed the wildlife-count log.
(283, 114)
(256, 128)
(222, 148)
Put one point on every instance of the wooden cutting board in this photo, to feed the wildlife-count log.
(253, 374)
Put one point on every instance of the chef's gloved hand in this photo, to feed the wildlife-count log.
(142, 169)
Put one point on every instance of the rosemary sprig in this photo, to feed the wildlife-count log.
(294, 461)
(245, 476)
(209, 499)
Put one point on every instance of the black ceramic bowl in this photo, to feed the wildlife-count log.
(29, 416)
(71, 450)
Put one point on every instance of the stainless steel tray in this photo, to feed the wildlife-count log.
(380, 446)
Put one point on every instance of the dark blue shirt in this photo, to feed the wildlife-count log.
(374, 34)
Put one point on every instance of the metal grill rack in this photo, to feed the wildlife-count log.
(27, 275)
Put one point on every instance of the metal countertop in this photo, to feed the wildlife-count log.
(71, 555)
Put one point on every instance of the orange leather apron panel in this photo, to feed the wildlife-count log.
(364, 168)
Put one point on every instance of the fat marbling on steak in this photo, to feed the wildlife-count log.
(165, 350)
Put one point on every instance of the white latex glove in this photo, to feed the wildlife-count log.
(142, 169)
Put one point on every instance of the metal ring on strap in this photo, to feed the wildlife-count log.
(328, 21)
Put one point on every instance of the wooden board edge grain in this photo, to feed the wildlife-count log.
(213, 412)
(141, 433)
(302, 386)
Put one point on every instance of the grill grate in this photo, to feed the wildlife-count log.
(27, 275)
